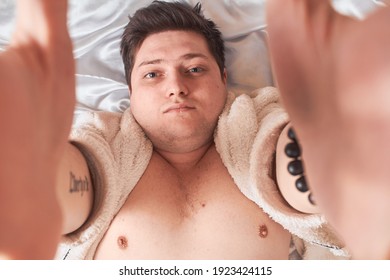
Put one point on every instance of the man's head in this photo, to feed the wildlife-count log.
(175, 63)
(164, 16)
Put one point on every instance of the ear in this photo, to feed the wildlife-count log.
(224, 76)
(129, 87)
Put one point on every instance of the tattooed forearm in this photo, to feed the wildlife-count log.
(78, 185)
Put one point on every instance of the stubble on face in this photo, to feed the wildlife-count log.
(166, 54)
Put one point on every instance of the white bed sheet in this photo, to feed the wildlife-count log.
(96, 27)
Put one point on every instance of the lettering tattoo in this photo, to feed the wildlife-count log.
(78, 185)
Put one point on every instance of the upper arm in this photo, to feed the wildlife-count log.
(74, 188)
(298, 199)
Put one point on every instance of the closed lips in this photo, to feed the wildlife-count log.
(179, 107)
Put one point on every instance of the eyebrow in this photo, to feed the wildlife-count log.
(185, 57)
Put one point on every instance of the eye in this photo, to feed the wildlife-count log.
(150, 75)
(195, 70)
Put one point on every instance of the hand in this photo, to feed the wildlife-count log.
(36, 111)
(333, 73)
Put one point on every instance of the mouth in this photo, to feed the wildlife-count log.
(178, 108)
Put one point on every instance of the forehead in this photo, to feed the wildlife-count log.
(171, 45)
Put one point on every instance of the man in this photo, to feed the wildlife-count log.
(194, 209)
(169, 195)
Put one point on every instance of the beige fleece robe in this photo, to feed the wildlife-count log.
(118, 152)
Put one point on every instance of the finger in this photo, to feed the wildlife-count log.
(276, 7)
(49, 18)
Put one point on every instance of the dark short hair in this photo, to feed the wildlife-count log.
(162, 16)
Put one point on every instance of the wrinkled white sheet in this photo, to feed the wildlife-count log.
(96, 27)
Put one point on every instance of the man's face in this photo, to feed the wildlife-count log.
(177, 92)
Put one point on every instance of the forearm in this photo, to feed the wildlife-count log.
(36, 110)
(30, 219)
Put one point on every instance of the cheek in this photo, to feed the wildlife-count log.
(215, 103)
(144, 109)
(218, 95)
(139, 107)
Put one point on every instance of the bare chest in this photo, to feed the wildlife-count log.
(199, 216)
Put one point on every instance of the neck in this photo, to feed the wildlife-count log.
(185, 161)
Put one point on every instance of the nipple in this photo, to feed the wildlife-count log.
(263, 231)
(122, 242)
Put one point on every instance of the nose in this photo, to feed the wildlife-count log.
(176, 85)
